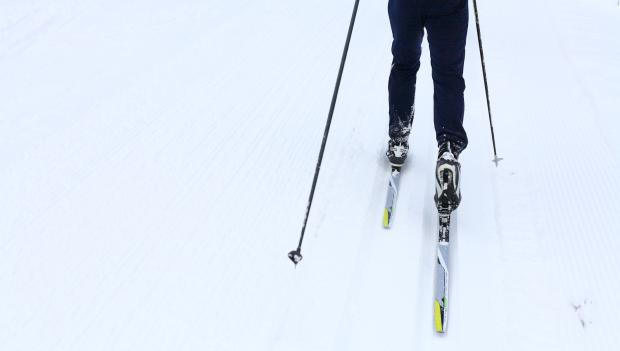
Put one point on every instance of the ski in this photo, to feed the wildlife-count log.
(392, 194)
(442, 274)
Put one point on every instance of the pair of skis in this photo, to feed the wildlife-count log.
(440, 304)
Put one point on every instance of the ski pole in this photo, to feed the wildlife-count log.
(295, 255)
(486, 85)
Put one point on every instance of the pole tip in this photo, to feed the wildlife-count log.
(295, 256)
(496, 160)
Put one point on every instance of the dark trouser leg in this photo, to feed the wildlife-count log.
(407, 31)
(447, 35)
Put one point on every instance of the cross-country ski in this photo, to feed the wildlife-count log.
(442, 275)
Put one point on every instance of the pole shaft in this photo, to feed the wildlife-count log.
(484, 75)
(328, 124)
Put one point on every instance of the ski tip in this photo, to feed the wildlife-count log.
(386, 218)
(439, 318)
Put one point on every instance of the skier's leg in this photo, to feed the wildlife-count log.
(407, 31)
(447, 34)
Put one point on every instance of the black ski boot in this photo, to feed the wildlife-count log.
(447, 178)
(397, 152)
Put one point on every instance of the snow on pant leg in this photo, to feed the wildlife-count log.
(407, 31)
(446, 26)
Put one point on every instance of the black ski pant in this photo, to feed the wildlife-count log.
(446, 24)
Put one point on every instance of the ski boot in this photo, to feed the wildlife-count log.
(397, 152)
(447, 178)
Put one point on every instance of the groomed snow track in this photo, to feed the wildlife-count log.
(156, 160)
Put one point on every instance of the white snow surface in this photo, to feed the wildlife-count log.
(156, 159)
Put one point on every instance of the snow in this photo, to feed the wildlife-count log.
(157, 158)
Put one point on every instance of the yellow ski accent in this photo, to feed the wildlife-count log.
(438, 321)
(386, 218)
